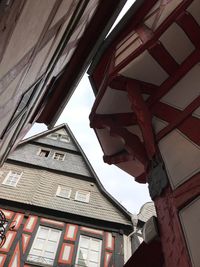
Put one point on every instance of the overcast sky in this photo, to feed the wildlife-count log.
(122, 186)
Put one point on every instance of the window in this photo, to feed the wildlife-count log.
(44, 246)
(44, 153)
(59, 156)
(12, 178)
(63, 191)
(89, 252)
(53, 136)
(64, 138)
(83, 196)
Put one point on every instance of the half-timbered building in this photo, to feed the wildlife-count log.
(58, 213)
(146, 116)
(45, 47)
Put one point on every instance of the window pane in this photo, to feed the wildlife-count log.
(93, 264)
(89, 252)
(94, 256)
(84, 242)
(43, 249)
(51, 246)
(95, 245)
(43, 233)
(54, 235)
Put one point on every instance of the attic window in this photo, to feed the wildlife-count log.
(59, 156)
(53, 136)
(82, 196)
(63, 191)
(64, 138)
(43, 153)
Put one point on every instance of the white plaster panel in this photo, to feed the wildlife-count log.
(8, 240)
(27, 32)
(71, 230)
(190, 220)
(169, 8)
(130, 49)
(177, 43)
(158, 124)
(145, 68)
(111, 145)
(194, 9)
(185, 91)
(126, 42)
(133, 167)
(181, 157)
(15, 261)
(149, 19)
(196, 113)
(30, 223)
(135, 129)
(66, 253)
(114, 101)
(109, 240)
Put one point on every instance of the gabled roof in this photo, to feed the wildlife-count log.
(87, 170)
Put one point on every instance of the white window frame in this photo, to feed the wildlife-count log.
(40, 150)
(59, 190)
(41, 259)
(9, 174)
(61, 153)
(54, 138)
(90, 248)
(64, 138)
(87, 196)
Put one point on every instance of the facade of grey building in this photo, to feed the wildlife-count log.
(47, 184)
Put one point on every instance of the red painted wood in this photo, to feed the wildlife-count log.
(66, 237)
(68, 261)
(187, 192)
(182, 120)
(163, 57)
(173, 245)
(187, 22)
(186, 66)
(147, 255)
(16, 254)
(143, 115)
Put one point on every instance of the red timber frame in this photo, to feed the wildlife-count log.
(169, 202)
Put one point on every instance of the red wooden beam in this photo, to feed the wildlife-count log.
(143, 116)
(183, 120)
(185, 67)
(122, 119)
(171, 235)
(187, 192)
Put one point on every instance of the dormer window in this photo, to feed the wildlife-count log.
(12, 178)
(82, 196)
(43, 153)
(61, 137)
(59, 156)
(53, 136)
(64, 138)
(63, 191)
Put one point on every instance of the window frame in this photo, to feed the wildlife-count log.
(89, 249)
(7, 177)
(59, 190)
(53, 138)
(61, 153)
(87, 197)
(40, 150)
(67, 140)
(34, 242)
